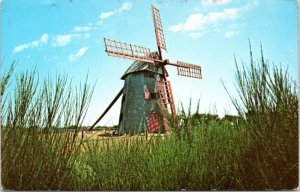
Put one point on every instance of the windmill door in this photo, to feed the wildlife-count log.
(153, 122)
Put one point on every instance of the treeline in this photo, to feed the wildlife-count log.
(207, 117)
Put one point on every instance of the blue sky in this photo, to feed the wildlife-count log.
(66, 36)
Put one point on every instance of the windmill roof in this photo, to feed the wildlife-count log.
(142, 66)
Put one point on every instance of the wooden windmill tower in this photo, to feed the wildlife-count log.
(145, 84)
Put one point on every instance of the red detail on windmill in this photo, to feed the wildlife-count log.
(147, 95)
(153, 122)
(166, 95)
(127, 50)
(135, 52)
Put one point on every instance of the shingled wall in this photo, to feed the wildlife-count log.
(135, 108)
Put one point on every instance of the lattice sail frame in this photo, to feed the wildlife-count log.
(127, 50)
(159, 33)
(164, 90)
(136, 52)
(188, 70)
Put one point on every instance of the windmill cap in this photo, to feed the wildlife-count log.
(139, 66)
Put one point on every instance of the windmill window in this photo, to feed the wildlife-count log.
(153, 95)
(150, 95)
(147, 95)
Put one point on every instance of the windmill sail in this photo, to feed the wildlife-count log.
(159, 33)
(126, 50)
(165, 95)
(188, 70)
(146, 84)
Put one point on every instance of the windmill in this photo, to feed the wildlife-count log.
(146, 84)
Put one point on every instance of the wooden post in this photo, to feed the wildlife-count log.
(107, 109)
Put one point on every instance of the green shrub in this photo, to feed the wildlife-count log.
(268, 103)
(36, 154)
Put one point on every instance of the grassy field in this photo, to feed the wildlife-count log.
(257, 150)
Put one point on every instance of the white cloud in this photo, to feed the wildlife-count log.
(105, 15)
(20, 48)
(79, 29)
(231, 31)
(57, 40)
(196, 22)
(125, 6)
(83, 31)
(63, 40)
(224, 15)
(35, 43)
(214, 2)
(79, 54)
(214, 21)
(42, 41)
(229, 34)
(176, 28)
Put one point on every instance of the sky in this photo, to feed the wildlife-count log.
(66, 36)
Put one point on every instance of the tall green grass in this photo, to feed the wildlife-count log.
(4, 79)
(36, 154)
(258, 151)
(210, 161)
(268, 102)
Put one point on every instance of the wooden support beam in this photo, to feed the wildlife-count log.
(107, 109)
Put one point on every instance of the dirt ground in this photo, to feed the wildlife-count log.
(104, 135)
(97, 139)
(97, 134)
(108, 134)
